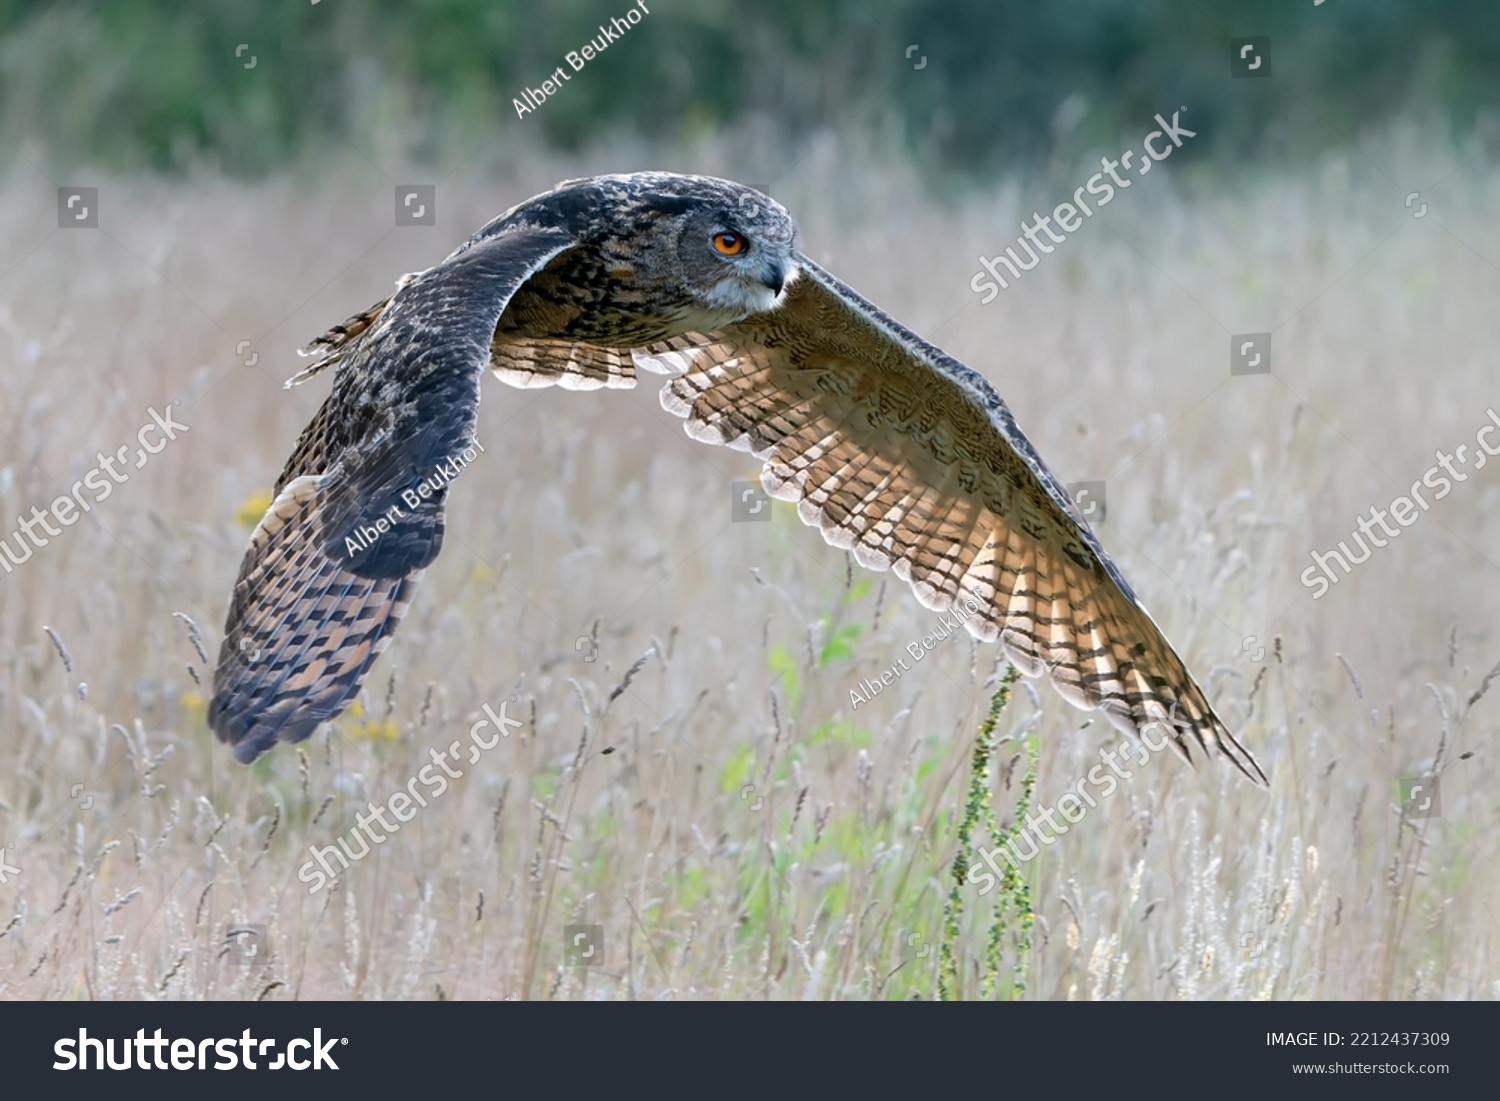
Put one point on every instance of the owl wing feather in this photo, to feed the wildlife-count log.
(333, 564)
(907, 458)
(527, 363)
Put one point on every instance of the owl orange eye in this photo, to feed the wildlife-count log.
(729, 244)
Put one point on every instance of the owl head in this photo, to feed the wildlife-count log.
(729, 247)
(733, 245)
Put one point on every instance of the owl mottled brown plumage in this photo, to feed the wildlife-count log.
(893, 449)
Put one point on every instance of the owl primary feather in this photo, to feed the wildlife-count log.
(893, 449)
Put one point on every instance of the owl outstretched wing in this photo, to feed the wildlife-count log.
(359, 509)
(908, 458)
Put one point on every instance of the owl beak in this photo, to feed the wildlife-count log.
(773, 276)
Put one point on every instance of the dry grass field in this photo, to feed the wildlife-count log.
(731, 824)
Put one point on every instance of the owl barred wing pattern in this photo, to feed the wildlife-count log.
(910, 460)
(302, 629)
(333, 564)
(526, 364)
(572, 365)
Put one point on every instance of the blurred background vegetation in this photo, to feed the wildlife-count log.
(158, 83)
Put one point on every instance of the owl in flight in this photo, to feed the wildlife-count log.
(894, 450)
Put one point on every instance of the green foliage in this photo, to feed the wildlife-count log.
(784, 664)
(159, 83)
(842, 731)
(1012, 898)
(737, 769)
(840, 644)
